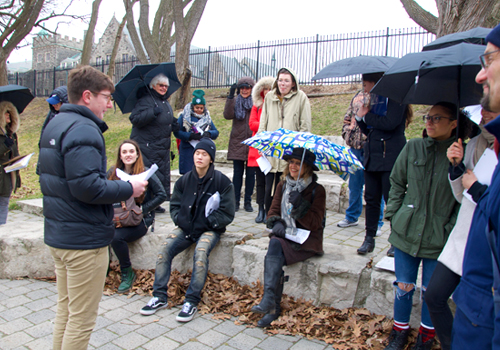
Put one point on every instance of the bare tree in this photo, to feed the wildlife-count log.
(112, 60)
(88, 43)
(18, 18)
(455, 15)
(157, 40)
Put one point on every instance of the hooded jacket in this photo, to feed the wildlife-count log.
(7, 185)
(421, 206)
(258, 101)
(62, 93)
(240, 129)
(77, 197)
(189, 199)
(293, 112)
(152, 133)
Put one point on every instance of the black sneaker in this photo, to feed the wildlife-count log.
(187, 313)
(153, 305)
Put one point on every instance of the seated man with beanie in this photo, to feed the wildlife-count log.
(187, 209)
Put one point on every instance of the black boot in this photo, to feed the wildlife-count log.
(390, 252)
(367, 246)
(268, 318)
(248, 207)
(272, 273)
(397, 340)
(420, 345)
(261, 215)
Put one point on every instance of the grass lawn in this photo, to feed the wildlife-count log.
(327, 116)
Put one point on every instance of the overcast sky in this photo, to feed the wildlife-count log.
(229, 22)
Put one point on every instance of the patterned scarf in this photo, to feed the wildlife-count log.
(484, 140)
(241, 106)
(286, 206)
(188, 113)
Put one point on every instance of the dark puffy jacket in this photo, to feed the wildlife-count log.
(385, 137)
(77, 202)
(190, 193)
(152, 133)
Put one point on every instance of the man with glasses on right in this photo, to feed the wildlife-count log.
(477, 320)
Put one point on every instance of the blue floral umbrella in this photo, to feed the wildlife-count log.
(329, 156)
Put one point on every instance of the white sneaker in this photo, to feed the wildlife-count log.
(347, 223)
(379, 232)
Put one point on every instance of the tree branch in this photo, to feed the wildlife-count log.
(422, 17)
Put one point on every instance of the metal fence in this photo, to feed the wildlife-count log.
(222, 66)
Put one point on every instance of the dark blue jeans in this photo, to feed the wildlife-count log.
(175, 244)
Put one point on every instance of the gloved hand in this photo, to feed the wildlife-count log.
(8, 141)
(232, 91)
(157, 110)
(207, 134)
(295, 198)
(175, 126)
(172, 155)
(195, 136)
(279, 229)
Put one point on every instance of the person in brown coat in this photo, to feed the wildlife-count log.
(238, 109)
(298, 203)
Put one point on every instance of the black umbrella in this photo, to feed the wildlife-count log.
(473, 36)
(136, 82)
(356, 65)
(432, 76)
(20, 96)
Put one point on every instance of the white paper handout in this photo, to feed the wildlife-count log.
(264, 164)
(386, 263)
(194, 143)
(212, 204)
(484, 169)
(298, 235)
(19, 164)
(144, 176)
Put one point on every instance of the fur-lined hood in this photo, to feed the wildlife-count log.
(14, 117)
(263, 83)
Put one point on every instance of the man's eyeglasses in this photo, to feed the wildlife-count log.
(434, 119)
(485, 63)
(108, 97)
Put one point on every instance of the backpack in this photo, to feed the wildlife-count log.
(127, 213)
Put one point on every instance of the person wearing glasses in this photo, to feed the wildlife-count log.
(448, 270)
(422, 211)
(78, 204)
(477, 317)
(153, 122)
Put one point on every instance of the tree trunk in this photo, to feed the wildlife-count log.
(111, 69)
(141, 55)
(88, 43)
(183, 95)
(455, 15)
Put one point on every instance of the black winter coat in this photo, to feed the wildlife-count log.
(189, 199)
(77, 202)
(385, 137)
(152, 133)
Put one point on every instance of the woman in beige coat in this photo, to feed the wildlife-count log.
(286, 106)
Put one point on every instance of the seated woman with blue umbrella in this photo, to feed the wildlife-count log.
(298, 203)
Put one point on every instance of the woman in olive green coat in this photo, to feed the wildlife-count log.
(422, 211)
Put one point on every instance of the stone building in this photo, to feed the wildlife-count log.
(50, 50)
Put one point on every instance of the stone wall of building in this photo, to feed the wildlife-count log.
(50, 50)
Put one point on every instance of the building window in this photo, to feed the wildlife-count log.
(98, 60)
(108, 57)
(40, 57)
(61, 82)
(46, 92)
(47, 57)
(125, 57)
(47, 75)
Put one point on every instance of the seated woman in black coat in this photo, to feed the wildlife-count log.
(129, 160)
(298, 203)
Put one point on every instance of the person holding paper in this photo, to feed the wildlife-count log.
(9, 124)
(259, 92)
(422, 211)
(188, 211)
(129, 160)
(299, 203)
(195, 123)
(448, 270)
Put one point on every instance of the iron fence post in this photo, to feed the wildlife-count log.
(34, 82)
(257, 69)
(316, 59)
(54, 79)
(387, 42)
(208, 68)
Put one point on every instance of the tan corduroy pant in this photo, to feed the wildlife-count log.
(80, 280)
